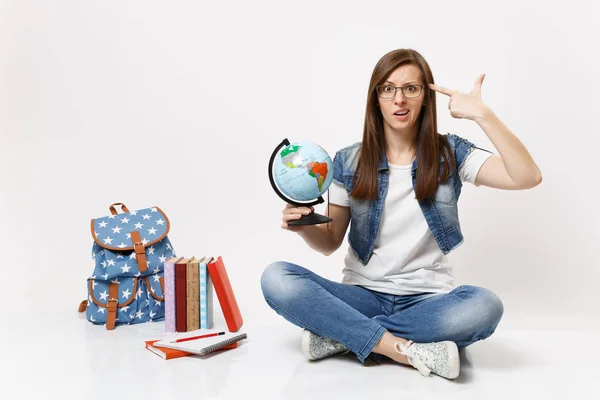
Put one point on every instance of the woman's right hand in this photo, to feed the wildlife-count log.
(292, 212)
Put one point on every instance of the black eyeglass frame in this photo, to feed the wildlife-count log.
(402, 89)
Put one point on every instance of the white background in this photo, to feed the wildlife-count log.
(180, 104)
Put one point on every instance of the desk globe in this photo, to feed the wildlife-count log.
(300, 172)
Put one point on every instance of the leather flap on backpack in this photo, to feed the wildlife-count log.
(99, 292)
(114, 231)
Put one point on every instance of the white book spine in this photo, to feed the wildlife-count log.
(203, 295)
(209, 301)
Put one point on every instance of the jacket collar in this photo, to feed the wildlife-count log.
(383, 163)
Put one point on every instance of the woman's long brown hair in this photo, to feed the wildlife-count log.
(430, 144)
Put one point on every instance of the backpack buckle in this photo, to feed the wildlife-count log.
(112, 303)
(140, 251)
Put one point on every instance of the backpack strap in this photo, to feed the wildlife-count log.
(111, 305)
(83, 306)
(113, 211)
(140, 251)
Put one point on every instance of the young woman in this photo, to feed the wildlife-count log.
(398, 190)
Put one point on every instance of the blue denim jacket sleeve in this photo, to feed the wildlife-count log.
(462, 148)
(338, 168)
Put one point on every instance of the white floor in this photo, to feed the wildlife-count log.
(72, 358)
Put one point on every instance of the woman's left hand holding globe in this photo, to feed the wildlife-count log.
(290, 213)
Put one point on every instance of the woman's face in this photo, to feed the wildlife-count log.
(404, 76)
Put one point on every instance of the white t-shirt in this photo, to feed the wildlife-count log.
(406, 258)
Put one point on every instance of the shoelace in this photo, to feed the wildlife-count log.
(418, 360)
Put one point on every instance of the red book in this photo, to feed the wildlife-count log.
(181, 295)
(229, 305)
(165, 353)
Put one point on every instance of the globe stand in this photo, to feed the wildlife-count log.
(310, 219)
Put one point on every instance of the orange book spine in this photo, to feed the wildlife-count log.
(222, 285)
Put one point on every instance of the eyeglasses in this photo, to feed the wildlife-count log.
(389, 91)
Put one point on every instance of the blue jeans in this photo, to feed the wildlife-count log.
(358, 317)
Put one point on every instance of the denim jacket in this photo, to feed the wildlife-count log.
(440, 210)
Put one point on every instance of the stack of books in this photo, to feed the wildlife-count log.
(189, 286)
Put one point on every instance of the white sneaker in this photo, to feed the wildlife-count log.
(316, 347)
(441, 358)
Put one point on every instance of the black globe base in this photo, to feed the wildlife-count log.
(310, 219)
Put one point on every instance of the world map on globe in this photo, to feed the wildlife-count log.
(303, 171)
